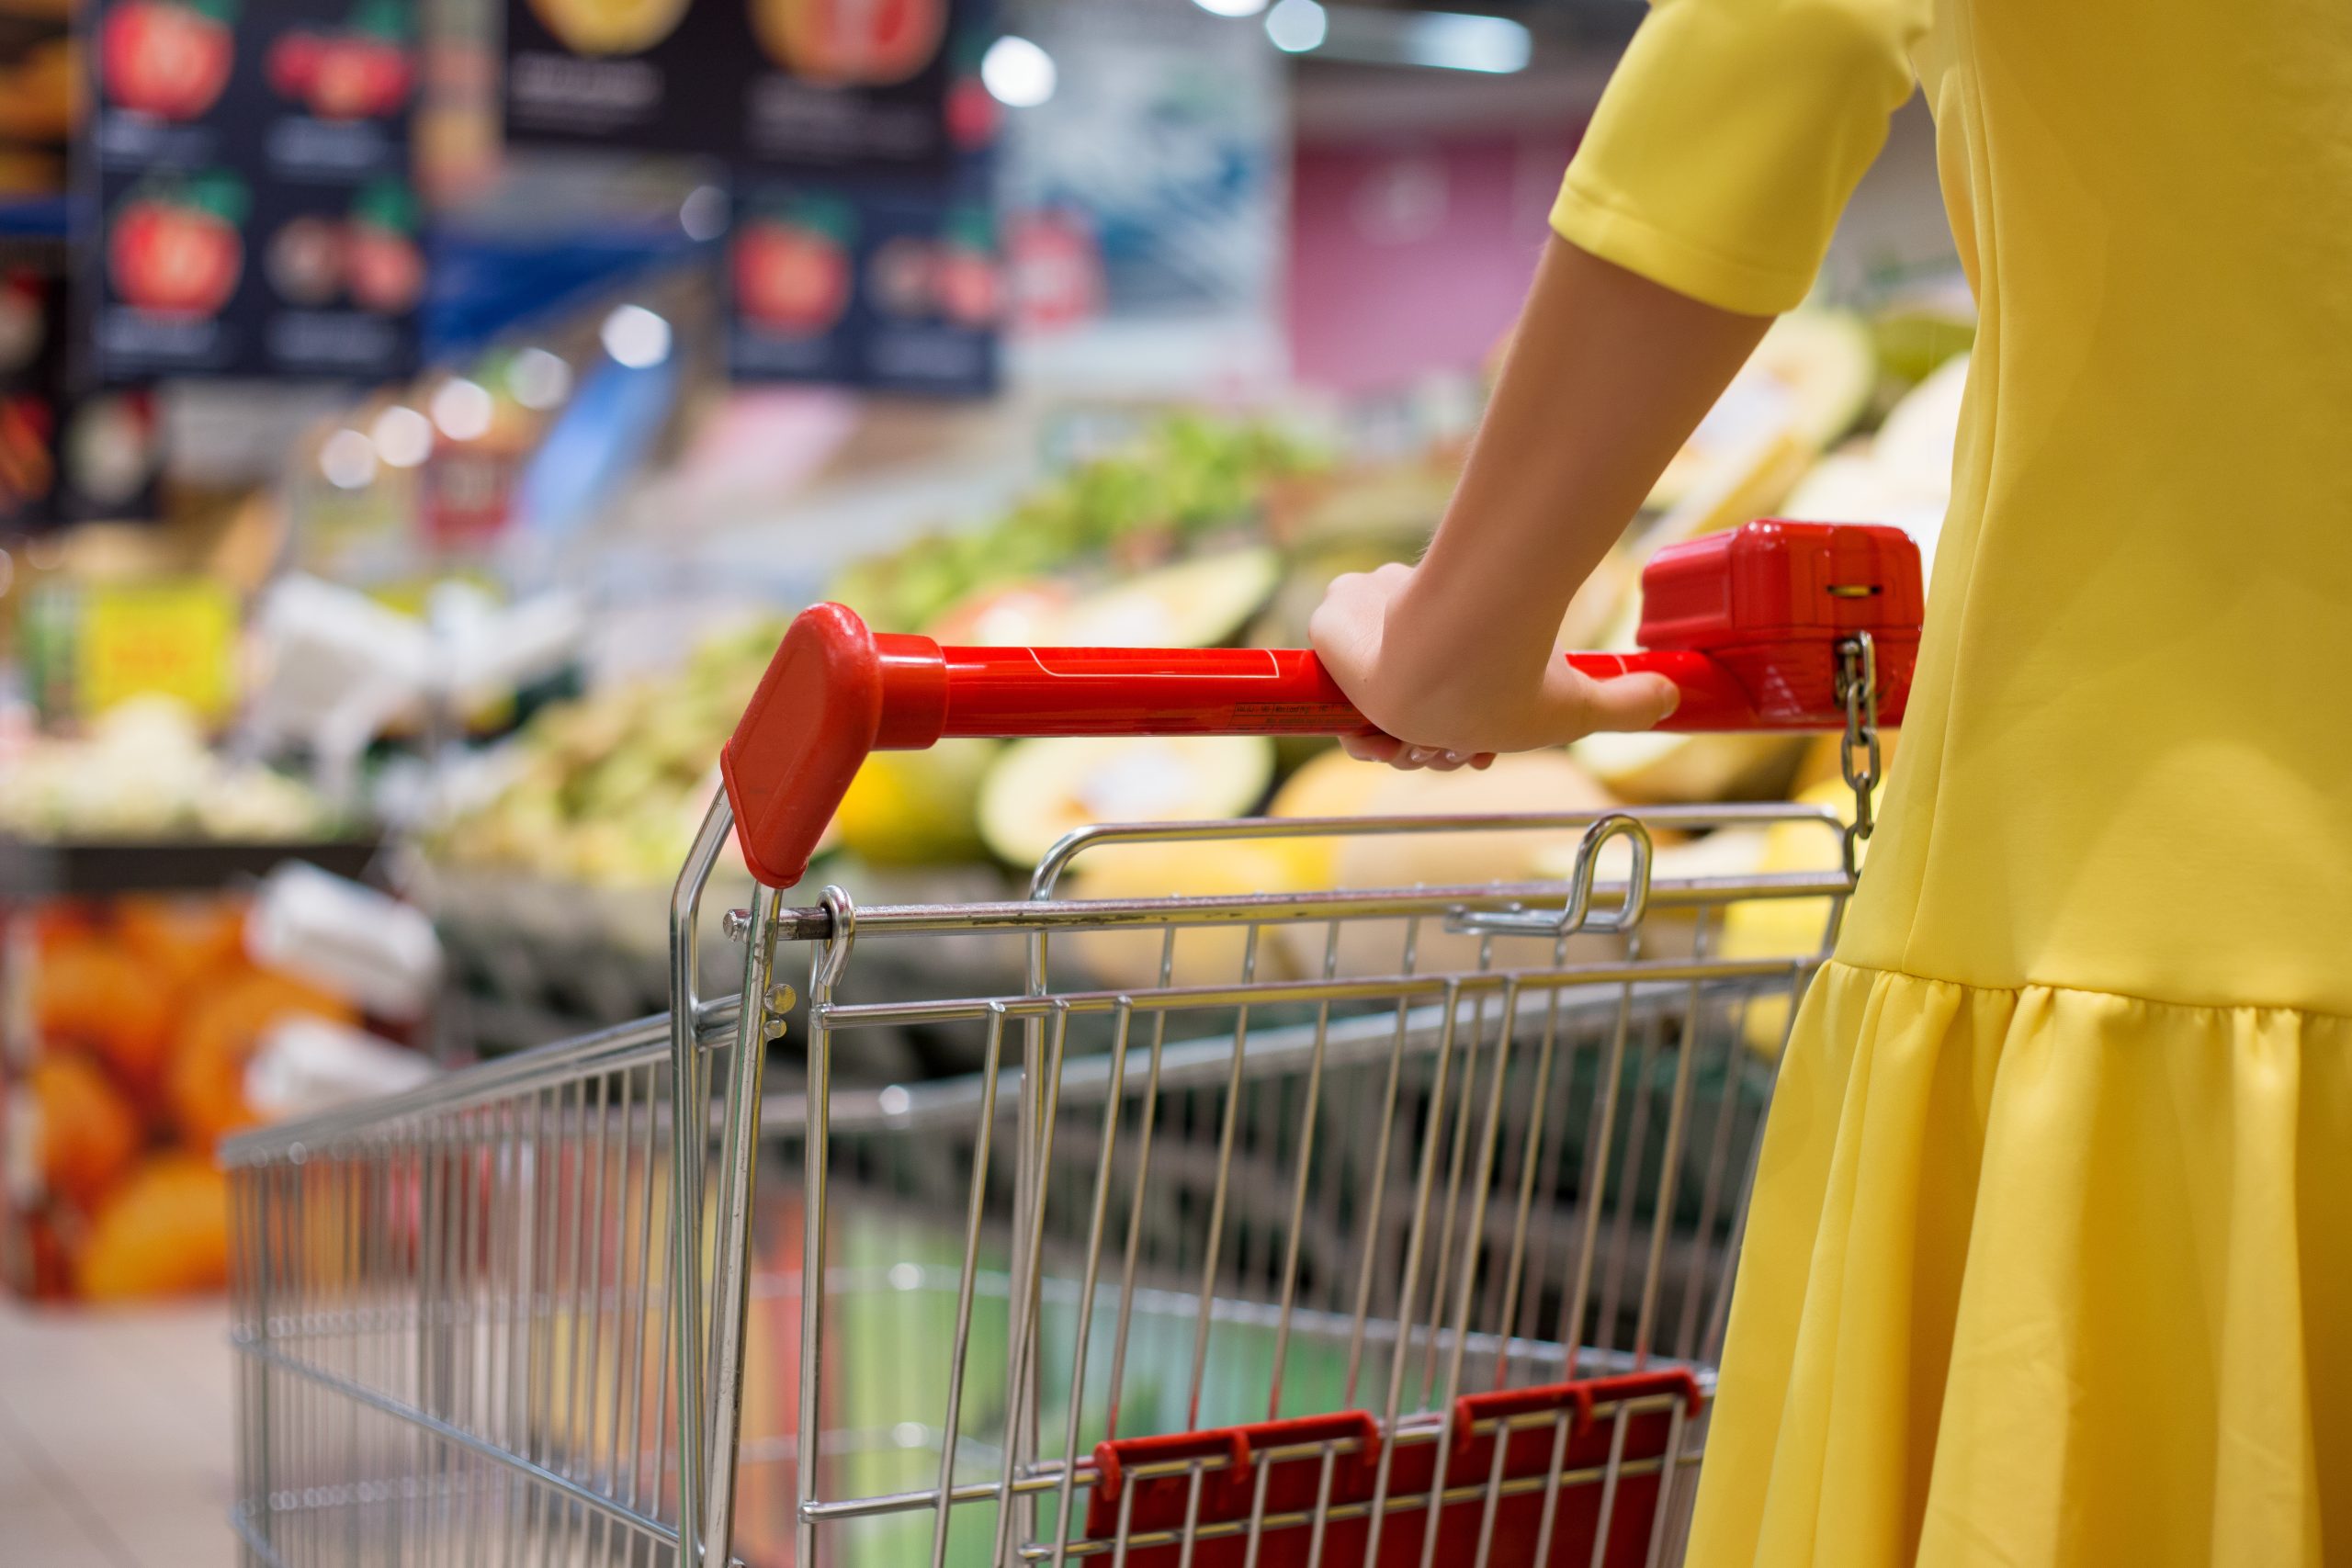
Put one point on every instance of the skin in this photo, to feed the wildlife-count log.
(1453, 659)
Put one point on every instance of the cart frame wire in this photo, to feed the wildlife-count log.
(445, 1392)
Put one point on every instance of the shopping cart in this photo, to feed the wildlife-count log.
(1366, 1225)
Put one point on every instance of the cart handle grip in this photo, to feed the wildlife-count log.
(1747, 624)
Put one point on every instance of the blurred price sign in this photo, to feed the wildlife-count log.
(95, 644)
(243, 203)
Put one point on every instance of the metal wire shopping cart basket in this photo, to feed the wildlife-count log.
(1361, 1226)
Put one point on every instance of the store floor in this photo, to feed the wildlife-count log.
(114, 1438)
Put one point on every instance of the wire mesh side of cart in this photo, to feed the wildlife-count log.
(454, 1321)
(1223, 1158)
(1231, 1161)
(459, 1313)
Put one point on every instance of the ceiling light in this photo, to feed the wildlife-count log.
(348, 460)
(462, 410)
(1017, 72)
(1297, 25)
(635, 337)
(404, 437)
(538, 380)
(1444, 40)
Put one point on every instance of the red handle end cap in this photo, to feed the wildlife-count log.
(802, 740)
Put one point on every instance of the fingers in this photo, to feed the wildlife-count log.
(1627, 703)
(1370, 746)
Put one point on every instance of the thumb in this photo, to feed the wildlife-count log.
(1627, 703)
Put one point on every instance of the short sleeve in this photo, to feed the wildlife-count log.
(1730, 138)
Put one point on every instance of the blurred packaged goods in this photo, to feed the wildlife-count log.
(144, 770)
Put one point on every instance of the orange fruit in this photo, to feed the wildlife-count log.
(164, 1232)
(87, 1134)
(61, 924)
(224, 1025)
(89, 991)
(184, 939)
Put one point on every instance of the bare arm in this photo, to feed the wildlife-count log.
(1606, 374)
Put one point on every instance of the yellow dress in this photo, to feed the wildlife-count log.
(2051, 1257)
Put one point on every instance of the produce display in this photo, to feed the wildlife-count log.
(1185, 481)
(144, 772)
(609, 789)
(1204, 533)
(142, 1016)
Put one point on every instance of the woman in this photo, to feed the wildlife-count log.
(2051, 1254)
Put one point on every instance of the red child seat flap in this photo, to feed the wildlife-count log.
(1282, 1471)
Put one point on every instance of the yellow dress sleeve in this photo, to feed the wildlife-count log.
(1731, 136)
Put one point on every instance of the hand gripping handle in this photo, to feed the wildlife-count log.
(1748, 625)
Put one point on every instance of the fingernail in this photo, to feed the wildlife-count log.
(1454, 759)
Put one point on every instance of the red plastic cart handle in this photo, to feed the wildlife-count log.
(1746, 623)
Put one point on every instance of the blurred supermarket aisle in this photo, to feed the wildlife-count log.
(115, 1433)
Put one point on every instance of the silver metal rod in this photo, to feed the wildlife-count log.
(689, 1151)
(1308, 1116)
(824, 971)
(731, 1240)
(959, 1351)
(1112, 1103)
(1407, 1293)
(1216, 1230)
(1142, 1179)
(1678, 1113)
(613, 1050)
(1024, 916)
(1377, 988)
(1674, 818)
(1020, 1382)
(1592, 1193)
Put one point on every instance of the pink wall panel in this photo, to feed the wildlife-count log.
(1411, 258)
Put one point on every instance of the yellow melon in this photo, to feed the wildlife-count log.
(1812, 375)
(1523, 783)
(1039, 790)
(916, 808)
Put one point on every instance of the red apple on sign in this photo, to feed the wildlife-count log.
(359, 77)
(965, 283)
(792, 271)
(359, 70)
(381, 265)
(871, 42)
(163, 58)
(179, 253)
(383, 269)
(293, 63)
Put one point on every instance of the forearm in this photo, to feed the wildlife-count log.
(1606, 376)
